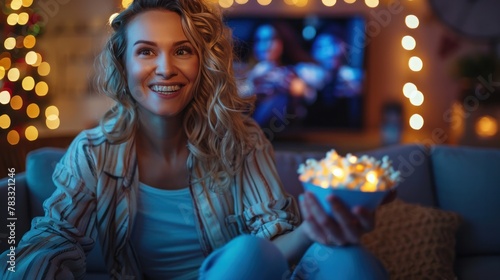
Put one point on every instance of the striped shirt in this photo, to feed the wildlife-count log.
(96, 197)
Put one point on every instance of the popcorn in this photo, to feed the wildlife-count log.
(365, 174)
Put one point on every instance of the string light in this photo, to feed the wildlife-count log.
(329, 3)
(21, 67)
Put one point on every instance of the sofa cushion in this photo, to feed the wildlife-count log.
(478, 267)
(467, 182)
(414, 163)
(40, 165)
(413, 241)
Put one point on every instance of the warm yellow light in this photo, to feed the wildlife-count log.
(264, 2)
(38, 60)
(52, 123)
(349, 1)
(28, 83)
(23, 18)
(2, 72)
(16, 102)
(301, 3)
(16, 4)
(329, 3)
(5, 121)
(4, 97)
(290, 2)
(416, 122)
(408, 89)
(12, 19)
(27, 3)
(44, 69)
(13, 74)
(486, 126)
(29, 41)
(9, 43)
(415, 63)
(13, 137)
(417, 98)
(372, 3)
(226, 3)
(31, 133)
(412, 21)
(33, 111)
(372, 177)
(126, 3)
(241, 2)
(5, 63)
(51, 110)
(31, 58)
(41, 88)
(408, 43)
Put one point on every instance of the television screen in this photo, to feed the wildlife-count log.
(306, 73)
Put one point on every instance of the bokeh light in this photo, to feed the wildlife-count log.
(417, 98)
(33, 111)
(372, 3)
(13, 137)
(28, 83)
(486, 126)
(416, 122)
(4, 97)
(23, 18)
(41, 88)
(329, 3)
(226, 3)
(16, 102)
(264, 2)
(44, 69)
(29, 41)
(31, 133)
(13, 74)
(408, 43)
(415, 63)
(412, 21)
(408, 89)
(5, 121)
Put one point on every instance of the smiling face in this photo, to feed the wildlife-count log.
(161, 64)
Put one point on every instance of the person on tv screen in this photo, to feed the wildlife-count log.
(178, 182)
(338, 85)
(272, 79)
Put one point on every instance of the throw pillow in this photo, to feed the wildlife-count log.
(413, 241)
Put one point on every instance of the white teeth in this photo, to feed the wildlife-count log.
(165, 89)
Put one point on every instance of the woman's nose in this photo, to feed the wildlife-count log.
(165, 67)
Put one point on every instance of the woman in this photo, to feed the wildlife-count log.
(177, 183)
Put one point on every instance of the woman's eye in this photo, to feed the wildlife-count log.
(184, 51)
(145, 52)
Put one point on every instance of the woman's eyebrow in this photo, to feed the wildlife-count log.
(154, 44)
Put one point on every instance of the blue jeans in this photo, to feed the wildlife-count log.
(248, 258)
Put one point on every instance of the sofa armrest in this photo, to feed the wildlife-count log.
(22, 210)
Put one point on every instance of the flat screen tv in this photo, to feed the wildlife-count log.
(306, 73)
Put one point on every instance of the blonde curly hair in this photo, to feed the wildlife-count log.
(215, 120)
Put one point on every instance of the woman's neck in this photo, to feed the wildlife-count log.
(160, 135)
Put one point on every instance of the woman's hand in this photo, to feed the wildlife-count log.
(345, 228)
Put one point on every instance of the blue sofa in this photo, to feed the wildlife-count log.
(463, 180)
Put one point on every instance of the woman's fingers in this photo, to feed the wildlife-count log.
(347, 221)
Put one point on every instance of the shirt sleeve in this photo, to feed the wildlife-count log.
(268, 210)
(56, 244)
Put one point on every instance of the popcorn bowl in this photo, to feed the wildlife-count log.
(350, 197)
